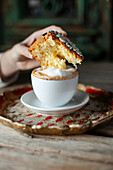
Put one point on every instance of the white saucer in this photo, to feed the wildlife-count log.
(31, 101)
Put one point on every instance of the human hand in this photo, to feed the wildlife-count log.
(20, 52)
(18, 57)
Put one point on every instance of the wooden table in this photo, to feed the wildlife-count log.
(92, 150)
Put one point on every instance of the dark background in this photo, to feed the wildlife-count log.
(87, 22)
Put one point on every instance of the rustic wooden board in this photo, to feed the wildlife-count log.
(19, 151)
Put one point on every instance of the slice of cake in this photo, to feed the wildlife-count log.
(53, 49)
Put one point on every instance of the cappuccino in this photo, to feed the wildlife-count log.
(55, 73)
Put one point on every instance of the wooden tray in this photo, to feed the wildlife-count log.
(98, 111)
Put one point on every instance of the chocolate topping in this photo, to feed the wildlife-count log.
(66, 41)
(44, 34)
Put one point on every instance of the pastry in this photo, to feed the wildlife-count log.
(53, 49)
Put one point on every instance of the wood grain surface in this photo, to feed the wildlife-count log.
(91, 151)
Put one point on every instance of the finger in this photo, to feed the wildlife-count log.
(28, 64)
(38, 34)
(22, 51)
(60, 30)
(55, 28)
(29, 40)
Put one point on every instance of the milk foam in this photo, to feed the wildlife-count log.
(56, 72)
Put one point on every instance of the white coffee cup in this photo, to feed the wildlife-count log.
(54, 93)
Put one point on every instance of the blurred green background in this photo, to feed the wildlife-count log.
(88, 23)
